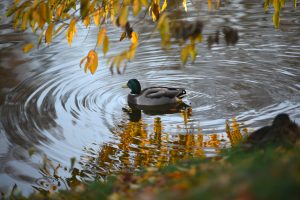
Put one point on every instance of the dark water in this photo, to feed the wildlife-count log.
(50, 106)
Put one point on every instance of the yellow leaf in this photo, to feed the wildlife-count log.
(295, 3)
(97, 17)
(123, 16)
(59, 10)
(164, 6)
(136, 6)
(155, 11)
(87, 21)
(101, 36)
(25, 20)
(131, 53)
(145, 3)
(134, 37)
(42, 15)
(91, 61)
(43, 11)
(40, 38)
(84, 8)
(71, 31)
(27, 47)
(82, 60)
(184, 5)
(49, 32)
(123, 36)
(105, 45)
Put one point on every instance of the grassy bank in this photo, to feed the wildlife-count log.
(269, 173)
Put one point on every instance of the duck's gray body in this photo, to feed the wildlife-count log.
(156, 96)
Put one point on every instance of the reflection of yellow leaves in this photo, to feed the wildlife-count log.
(184, 55)
(101, 36)
(276, 19)
(91, 61)
(189, 50)
(233, 132)
(27, 47)
(49, 33)
(184, 5)
(71, 31)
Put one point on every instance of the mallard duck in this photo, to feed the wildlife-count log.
(153, 96)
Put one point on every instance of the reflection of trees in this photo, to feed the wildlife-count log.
(138, 145)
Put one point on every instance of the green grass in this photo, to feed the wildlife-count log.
(270, 173)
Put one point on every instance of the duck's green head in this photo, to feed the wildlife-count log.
(135, 86)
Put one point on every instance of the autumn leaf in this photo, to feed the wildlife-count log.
(145, 3)
(27, 47)
(134, 37)
(97, 17)
(101, 36)
(91, 62)
(123, 36)
(105, 45)
(87, 21)
(155, 11)
(123, 16)
(49, 32)
(131, 53)
(136, 6)
(71, 31)
(25, 20)
(84, 8)
(164, 6)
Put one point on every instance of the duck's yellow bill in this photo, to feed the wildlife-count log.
(124, 86)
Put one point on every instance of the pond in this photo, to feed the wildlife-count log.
(53, 110)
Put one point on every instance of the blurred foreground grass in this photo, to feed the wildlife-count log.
(238, 173)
